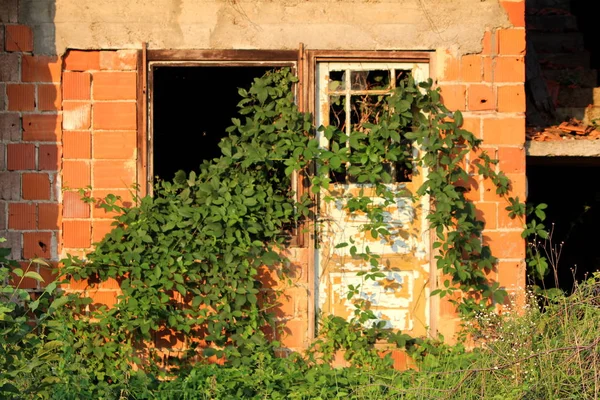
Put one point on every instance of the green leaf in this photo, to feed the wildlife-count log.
(58, 303)
(33, 275)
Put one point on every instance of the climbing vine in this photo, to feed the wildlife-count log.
(190, 260)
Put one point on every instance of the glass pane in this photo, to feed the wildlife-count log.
(337, 112)
(401, 75)
(365, 109)
(370, 80)
(337, 81)
(337, 118)
(403, 172)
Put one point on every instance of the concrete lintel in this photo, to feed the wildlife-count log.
(564, 148)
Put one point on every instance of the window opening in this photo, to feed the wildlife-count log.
(572, 216)
(192, 107)
(352, 96)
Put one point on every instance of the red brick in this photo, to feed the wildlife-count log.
(473, 125)
(21, 97)
(511, 98)
(511, 273)
(401, 360)
(9, 67)
(505, 222)
(101, 228)
(481, 98)
(42, 128)
(515, 11)
(76, 174)
(37, 244)
(506, 130)
(36, 186)
(24, 283)
(518, 185)
(18, 38)
(114, 174)
(76, 115)
(40, 69)
(74, 206)
(76, 85)
(115, 116)
(49, 216)
(509, 69)
(48, 273)
(487, 212)
(121, 60)
(115, 145)
(490, 192)
(488, 43)
(282, 306)
(77, 234)
(108, 298)
(447, 307)
(49, 97)
(488, 69)
(77, 60)
(77, 144)
(451, 69)
(295, 334)
(454, 96)
(512, 159)
(505, 244)
(99, 196)
(21, 216)
(511, 42)
(10, 127)
(115, 85)
(21, 156)
(49, 156)
(471, 69)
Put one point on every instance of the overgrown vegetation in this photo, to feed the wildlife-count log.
(188, 262)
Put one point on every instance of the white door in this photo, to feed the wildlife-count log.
(401, 298)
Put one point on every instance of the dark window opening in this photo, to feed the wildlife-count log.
(573, 215)
(192, 107)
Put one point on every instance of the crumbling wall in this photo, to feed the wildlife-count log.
(261, 24)
(68, 121)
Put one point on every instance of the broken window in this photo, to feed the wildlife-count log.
(352, 96)
(192, 108)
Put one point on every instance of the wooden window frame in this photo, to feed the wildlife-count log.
(224, 58)
(305, 61)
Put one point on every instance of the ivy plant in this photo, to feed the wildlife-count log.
(188, 259)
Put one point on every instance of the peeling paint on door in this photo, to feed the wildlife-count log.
(401, 297)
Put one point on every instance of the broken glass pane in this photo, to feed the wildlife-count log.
(370, 80)
(337, 81)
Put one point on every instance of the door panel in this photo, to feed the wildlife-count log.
(401, 298)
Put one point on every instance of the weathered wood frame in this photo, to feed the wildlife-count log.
(305, 61)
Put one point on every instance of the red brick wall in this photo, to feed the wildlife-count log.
(71, 123)
(30, 145)
(99, 94)
(489, 89)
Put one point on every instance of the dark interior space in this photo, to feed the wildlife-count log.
(587, 20)
(193, 105)
(570, 189)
